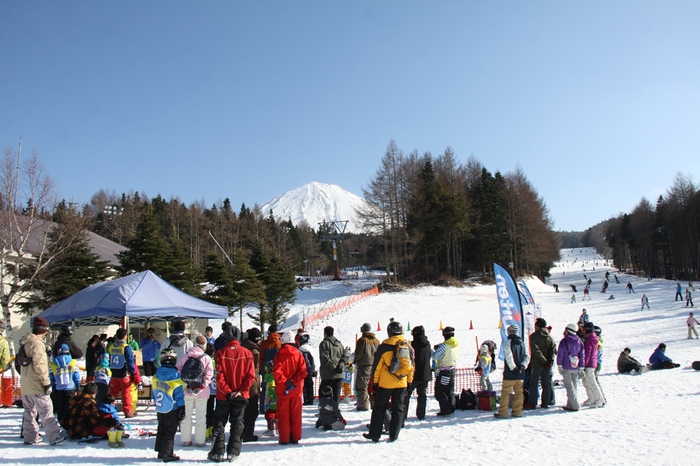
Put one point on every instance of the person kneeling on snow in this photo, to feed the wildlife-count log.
(627, 364)
(659, 360)
(329, 415)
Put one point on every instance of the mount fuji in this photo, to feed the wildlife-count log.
(315, 203)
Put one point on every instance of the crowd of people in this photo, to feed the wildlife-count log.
(202, 385)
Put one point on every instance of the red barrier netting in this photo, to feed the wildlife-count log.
(465, 378)
(9, 390)
(337, 306)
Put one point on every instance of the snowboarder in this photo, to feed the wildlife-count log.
(630, 290)
(573, 288)
(605, 287)
(556, 287)
(659, 360)
(627, 364)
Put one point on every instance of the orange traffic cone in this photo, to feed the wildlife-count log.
(378, 327)
(500, 324)
(471, 327)
(440, 325)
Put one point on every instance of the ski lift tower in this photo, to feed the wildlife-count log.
(337, 233)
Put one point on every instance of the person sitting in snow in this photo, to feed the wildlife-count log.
(84, 419)
(626, 363)
(659, 360)
(329, 415)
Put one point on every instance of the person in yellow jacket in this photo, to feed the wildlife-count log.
(393, 371)
(445, 356)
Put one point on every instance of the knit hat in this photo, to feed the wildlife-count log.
(588, 327)
(272, 328)
(232, 333)
(287, 338)
(418, 330)
(63, 350)
(39, 326)
(540, 322)
(448, 332)
(254, 334)
(304, 339)
(513, 329)
(365, 327)
(571, 328)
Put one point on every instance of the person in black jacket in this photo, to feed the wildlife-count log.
(66, 337)
(93, 355)
(423, 374)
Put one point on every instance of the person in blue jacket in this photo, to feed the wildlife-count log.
(169, 399)
(65, 381)
(659, 360)
(150, 347)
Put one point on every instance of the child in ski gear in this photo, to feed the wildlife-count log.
(348, 370)
(270, 401)
(484, 368)
(102, 377)
(124, 371)
(108, 409)
(65, 380)
(659, 360)
(84, 418)
(516, 359)
(692, 322)
(289, 370)
(329, 415)
(570, 356)
(169, 398)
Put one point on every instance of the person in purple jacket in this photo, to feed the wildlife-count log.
(590, 363)
(570, 359)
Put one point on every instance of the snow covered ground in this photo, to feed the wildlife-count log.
(649, 419)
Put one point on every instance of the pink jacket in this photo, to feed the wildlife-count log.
(692, 321)
(590, 346)
(195, 352)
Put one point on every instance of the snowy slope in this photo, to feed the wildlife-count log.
(649, 420)
(315, 203)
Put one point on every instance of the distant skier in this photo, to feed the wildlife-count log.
(573, 298)
(688, 297)
(630, 290)
(605, 287)
(586, 294)
(678, 292)
(645, 302)
(616, 280)
(556, 287)
(573, 288)
(692, 322)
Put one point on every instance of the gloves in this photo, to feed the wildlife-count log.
(517, 371)
(182, 413)
(233, 395)
(581, 373)
(561, 370)
(140, 387)
(339, 368)
(197, 390)
(47, 389)
(290, 386)
(523, 369)
(548, 365)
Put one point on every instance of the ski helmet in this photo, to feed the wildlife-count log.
(394, 328)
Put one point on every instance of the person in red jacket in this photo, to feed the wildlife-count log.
(289, 370)
(236, 374)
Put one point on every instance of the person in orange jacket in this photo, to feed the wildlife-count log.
(289, 370)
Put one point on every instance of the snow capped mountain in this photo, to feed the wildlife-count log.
(316, 203)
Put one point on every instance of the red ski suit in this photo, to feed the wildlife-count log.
(289, 365)
(236, 370)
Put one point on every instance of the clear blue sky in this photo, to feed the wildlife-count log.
(598, 102)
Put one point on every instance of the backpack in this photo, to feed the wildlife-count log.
(402, 361)
(192, 372)
(21, 358)
(467, 400)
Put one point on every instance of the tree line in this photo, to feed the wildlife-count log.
(661, 240)
(433, 218)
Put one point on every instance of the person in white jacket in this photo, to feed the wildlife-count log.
(692, 322)
(196, 397)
